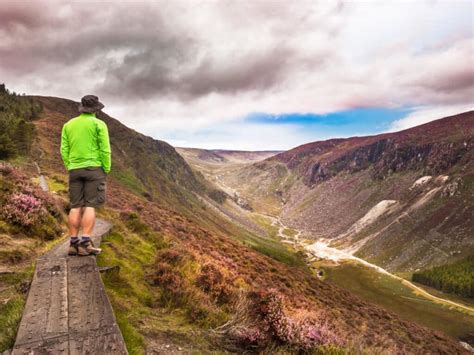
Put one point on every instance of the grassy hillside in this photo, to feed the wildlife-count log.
(389, 293)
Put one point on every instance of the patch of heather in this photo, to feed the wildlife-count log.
(26, 207)
(302, 330)
(22, 209)
(215, 283)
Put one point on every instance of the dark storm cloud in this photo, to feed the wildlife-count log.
(156, 72)
(154, 56)
(14, 16)
(37, 42)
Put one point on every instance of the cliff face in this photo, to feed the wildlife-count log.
(430, 149)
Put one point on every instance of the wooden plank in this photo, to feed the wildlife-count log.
(57, 345)
(46, 310)
(67, 310)
(90, 314)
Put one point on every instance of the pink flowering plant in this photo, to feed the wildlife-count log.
(301, 330)
(23, 209)
(261, 319)
(26, 206)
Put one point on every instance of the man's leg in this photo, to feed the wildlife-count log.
(88, 221)
(74, 221)
(86, 247)
(93, 197)
(76, 196)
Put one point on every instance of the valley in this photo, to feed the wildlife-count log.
(377, 285)
(273, 191)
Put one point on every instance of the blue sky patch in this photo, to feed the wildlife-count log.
(361, 121)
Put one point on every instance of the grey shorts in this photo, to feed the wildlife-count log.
(87, 187)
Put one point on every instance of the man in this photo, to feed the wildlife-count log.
(85, 150)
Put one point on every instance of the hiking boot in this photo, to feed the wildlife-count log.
(87, 248)
(73, 248)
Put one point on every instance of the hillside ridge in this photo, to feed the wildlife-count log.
(428, 145)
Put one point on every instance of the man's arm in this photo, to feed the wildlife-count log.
(65, 148)
(104, 146)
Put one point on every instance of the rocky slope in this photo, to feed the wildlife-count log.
(432, 148)
(403, 200)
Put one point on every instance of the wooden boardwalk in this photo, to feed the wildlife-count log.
(67, 310)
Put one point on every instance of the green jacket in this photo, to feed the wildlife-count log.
(85, 143)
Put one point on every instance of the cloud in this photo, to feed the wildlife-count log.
(427, 114)
(185, 65)
(241, 136)
(150, 73)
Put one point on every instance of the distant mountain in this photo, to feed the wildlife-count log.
(222, 156)
(402, 200)
(431, 148)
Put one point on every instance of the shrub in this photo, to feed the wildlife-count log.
(218, 195)
(171, 282)
(300, 331)
(23, 209)
(261, 319)
(213, 282)
(170, 256)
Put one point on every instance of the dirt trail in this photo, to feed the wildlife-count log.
(321, 249)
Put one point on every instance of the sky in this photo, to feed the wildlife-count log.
(250, 75)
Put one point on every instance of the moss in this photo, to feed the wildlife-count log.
(127, 178)
(12, 302)
(128, 292)
(10, 317)
(57, 185)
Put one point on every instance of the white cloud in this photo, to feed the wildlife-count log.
(423, 115)
(241, 136)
